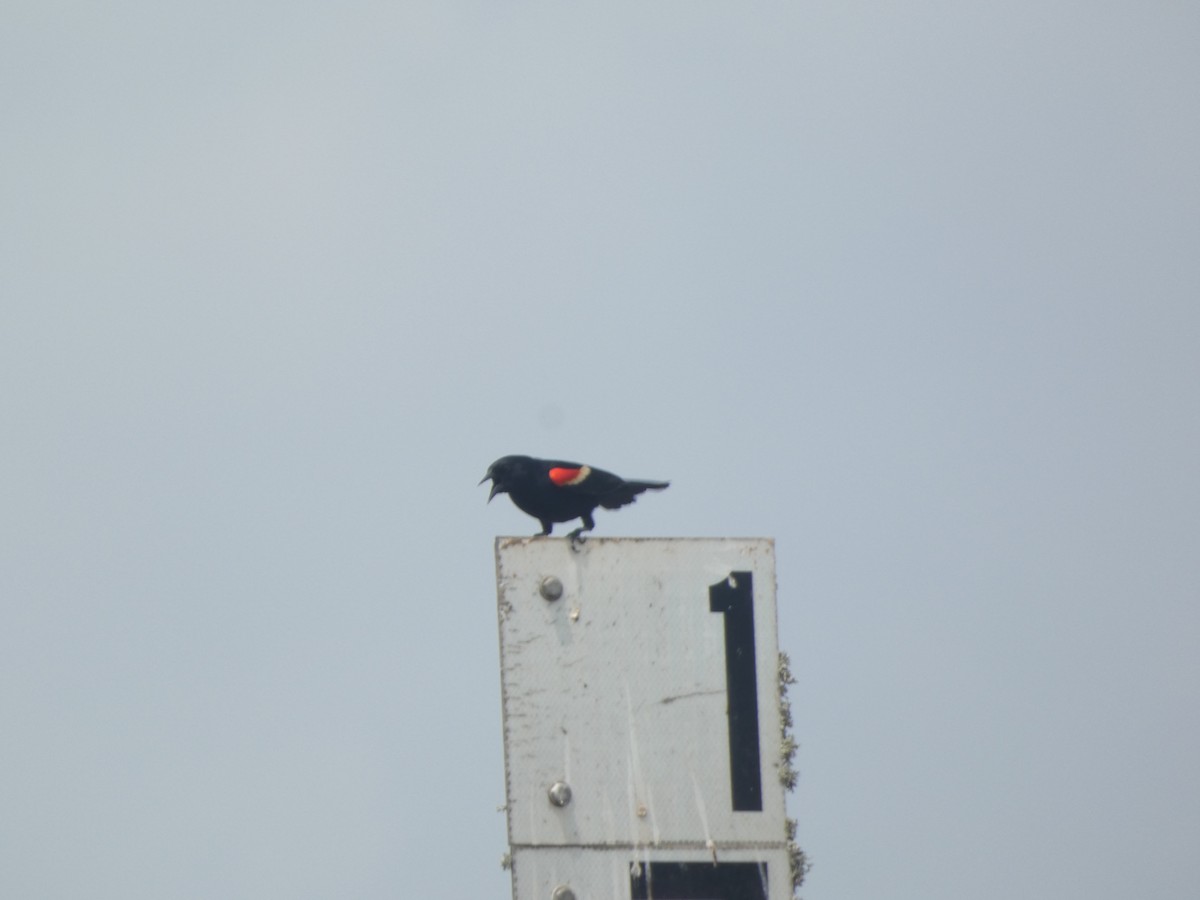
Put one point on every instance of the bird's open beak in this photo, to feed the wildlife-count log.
(495, 487)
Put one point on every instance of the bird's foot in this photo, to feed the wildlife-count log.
(577, 539)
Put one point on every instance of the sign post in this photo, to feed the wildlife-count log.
(643, 741)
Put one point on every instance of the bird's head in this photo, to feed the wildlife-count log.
(500, 472)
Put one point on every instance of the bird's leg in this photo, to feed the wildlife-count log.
(547, 527)
(576, 536)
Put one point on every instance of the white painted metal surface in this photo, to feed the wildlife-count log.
(618, 689)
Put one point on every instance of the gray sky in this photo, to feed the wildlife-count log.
(912, 289)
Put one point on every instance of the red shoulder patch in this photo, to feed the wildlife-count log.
(563, 476)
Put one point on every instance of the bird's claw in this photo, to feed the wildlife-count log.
(577, 539)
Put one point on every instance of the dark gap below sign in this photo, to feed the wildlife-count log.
(700, 881)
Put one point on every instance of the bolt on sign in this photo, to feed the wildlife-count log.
(642, 726)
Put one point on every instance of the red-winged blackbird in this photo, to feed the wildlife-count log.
(552, 491)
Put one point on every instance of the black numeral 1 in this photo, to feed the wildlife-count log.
(735, 598)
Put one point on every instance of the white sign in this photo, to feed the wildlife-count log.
(642, 729)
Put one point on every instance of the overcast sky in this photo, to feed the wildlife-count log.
(913, 289)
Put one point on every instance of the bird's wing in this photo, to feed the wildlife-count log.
(581, 479)
(609, 490)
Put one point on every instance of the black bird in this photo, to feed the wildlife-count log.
(552, 491)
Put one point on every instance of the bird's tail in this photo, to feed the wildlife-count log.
(639, 486)
(628, 492)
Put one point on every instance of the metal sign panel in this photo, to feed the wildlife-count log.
(641, 709)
